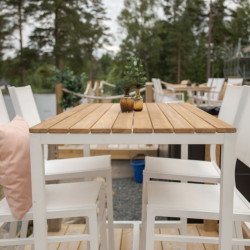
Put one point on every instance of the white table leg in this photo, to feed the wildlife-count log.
(183, 228)
(38, 193)
(227, 192)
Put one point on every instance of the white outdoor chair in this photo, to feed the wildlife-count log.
(215, 92)
(235, 81)
(194, 170)
(65, 169)
(200, 98)
(79, 199)
(4, 117)
(169, 97)
(212, 98)
(199, 201)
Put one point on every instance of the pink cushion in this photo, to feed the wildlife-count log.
(15, 176)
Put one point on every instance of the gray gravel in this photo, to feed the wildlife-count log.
(127, 199)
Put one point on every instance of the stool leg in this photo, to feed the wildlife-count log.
(110, 211)
(149, 230)
(239, 233)
(87, 231)
(183, 231)
(103, 231)
(93, 231)
(143, 213)
(24, 230)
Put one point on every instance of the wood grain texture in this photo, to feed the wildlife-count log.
(179, 124)
(123, 123)
(64, 125)
(193, 231)
(221, 126)
(142, 122)
(198, 123)
(127, 239)
(85, 124)
(169, 245)
(44, 126)
(105, 124)
(202, 232)
(159, 121)
(76, 229)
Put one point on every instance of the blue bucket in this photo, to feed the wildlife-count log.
(138, 167)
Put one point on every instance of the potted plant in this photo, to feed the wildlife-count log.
(140, 80)
(128, 82)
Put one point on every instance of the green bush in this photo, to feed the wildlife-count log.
(73, 82)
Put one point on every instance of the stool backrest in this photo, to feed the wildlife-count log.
(4, 117)
(158, 92)
(243, 131)
(238, 81)
(230, 104)
(24, 104)
(217, 87)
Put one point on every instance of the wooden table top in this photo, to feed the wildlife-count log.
(155, 117)
(183, 87)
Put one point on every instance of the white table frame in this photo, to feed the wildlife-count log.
(227, 170)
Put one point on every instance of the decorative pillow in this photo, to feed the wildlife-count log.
(15, 173)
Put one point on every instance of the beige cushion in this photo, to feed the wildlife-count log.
(15, 172)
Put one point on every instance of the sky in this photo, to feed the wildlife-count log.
(113, 8)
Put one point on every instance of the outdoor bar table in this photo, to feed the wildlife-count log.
(158, 123)
(190, 89)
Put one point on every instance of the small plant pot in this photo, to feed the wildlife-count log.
(138, 101)
(127, 102)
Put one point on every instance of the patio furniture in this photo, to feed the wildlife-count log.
(86, 199)
(171, 199)
(235, 81)
(4, 117)
(165, 123)
(213, 97)
(161, 95)
(66, 169)
(192, 89)
(193, 170)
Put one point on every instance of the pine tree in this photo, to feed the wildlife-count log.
(14, 13)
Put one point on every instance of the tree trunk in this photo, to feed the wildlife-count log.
(58, 58)
(20, 27)
(209, 41)
(91, 68)
(179, 64)
(146, 68)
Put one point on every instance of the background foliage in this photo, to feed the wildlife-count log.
(67, 34)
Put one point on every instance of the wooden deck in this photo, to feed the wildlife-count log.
(124, 238)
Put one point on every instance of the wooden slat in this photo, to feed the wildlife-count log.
(127, 239)
(221, 126)
(84, 125)
(142, 122)
(44, 126)
(198, 123)
(72, 229)
(169, 245)
(63, 230)
(208, 234)
(104, 125)
(193, 231)
(123, 123)
(117, 238)
(159, 121)
(179, 124)
(157, 244)
(66, 124)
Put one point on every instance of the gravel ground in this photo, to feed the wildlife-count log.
(127, 199)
